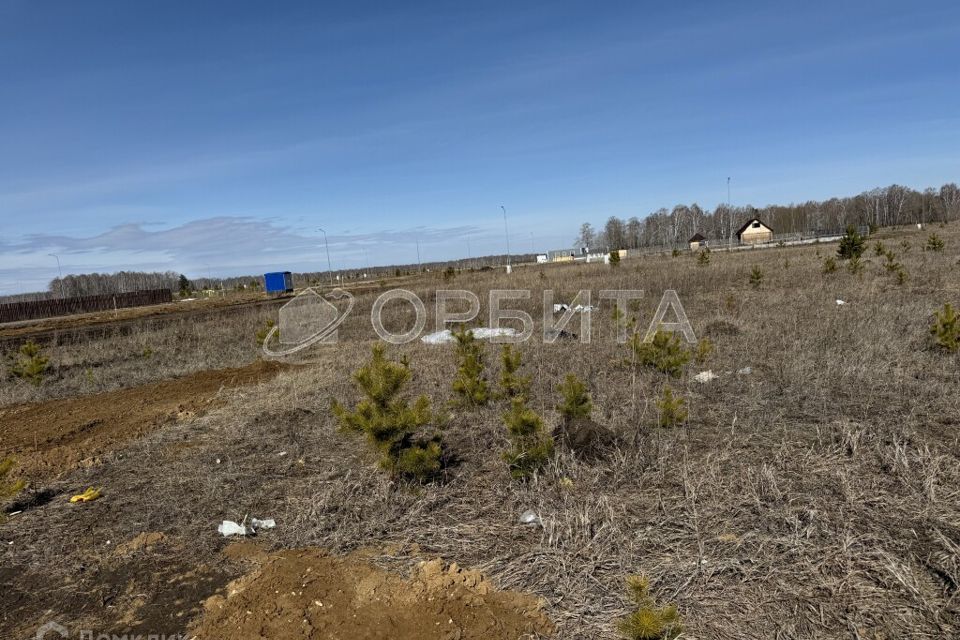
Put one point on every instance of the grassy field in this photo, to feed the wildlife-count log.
(817, 496)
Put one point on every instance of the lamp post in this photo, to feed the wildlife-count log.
(506, 232)
(327, 246)
(60, 271)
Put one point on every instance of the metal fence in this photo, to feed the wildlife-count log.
(36, 309)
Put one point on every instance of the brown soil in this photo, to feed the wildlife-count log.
(52, 437)
(308, 594)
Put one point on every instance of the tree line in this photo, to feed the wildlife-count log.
(883, 207)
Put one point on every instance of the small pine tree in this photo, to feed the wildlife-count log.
(901, 276)
(756, 277)
(389, 423)
(470, 383)
(672, 408)
(530, 445)
(934, 243)
(852, 244)
(705, 349)
(264, 331)
(576, 401)
(664, 353)
(614, 258)
(946, 329)
(512, 384)
(648, 622)
(184, 286)
(829, 264)
(879, 249)
(855, 265)
(703, 257)
(675, 253)
(30, 364)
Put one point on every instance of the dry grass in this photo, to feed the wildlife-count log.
(818, 496)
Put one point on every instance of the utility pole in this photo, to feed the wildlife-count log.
(60, 271)
(327, 245)
(419, 267)
(506, 232)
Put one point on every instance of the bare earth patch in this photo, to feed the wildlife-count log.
(307, 593)
(52, 437)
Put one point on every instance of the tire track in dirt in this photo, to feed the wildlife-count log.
(52, 437)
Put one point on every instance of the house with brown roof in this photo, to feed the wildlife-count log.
(697, 241)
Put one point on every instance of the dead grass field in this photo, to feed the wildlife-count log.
(816, 497)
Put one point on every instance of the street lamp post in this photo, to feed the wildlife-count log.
(327, 246)
(506, 232)
(60, 271)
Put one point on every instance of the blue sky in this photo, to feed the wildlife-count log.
(218, 136)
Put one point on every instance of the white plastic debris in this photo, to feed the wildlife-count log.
(481, 333)
(229, 528)
(579, 308)
(705, 376)
(840, 302)
(268, 523)
(745, 371)
(530, 518)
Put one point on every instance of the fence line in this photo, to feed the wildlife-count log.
(37, 309)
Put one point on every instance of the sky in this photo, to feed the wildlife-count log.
(219, 137)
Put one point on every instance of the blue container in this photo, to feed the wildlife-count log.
(278, 282)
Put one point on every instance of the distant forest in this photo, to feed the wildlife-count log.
(886, 207)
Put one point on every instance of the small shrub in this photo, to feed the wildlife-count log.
(852, 244)
(703, 257)
(905, 246)
(9, 489)
(30, 364)
(829, 264)
(901, 276)
(264, 331)
(470, 384)
(705, 349)
(946, 329)
(672, 409)
(756, 277)
(648, 622)
(664, 352)
(530, 446)
(614, 258)
(575, 401)
(389, 422)
(449, 274)
(855, 265)
(934, 243)
(879, 249)
(675, 253)
(512, 384)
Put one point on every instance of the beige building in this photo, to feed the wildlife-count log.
(754, 232)
(697, 241)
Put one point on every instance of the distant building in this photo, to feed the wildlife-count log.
(697, 241)
(754, 232)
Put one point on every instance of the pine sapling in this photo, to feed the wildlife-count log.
(575, 403)
(649, 621)
(530, 445)
(394, 427)
(663, 352)
(672, 409)
(946, 329)
(756, 277)
(470, 384)
(512, 384)
(30, 364)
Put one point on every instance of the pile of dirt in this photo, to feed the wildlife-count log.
(306, 593)
(49, 438)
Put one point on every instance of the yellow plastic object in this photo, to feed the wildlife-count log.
(87, 496)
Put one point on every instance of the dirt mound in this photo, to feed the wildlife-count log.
(306, 593)
(48, 438)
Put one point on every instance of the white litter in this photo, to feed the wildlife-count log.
(705, 376)
(481, 333)
(745, 371)
(230, 528)
(530, 518)
(840, 302)
(579, 308)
